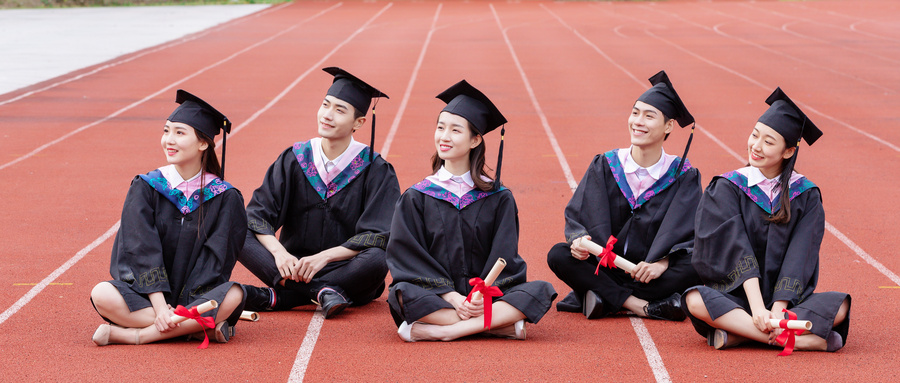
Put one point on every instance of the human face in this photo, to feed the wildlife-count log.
(766, 150)
(647, 125)
(182, 146)
(336, 121)
(453, 138)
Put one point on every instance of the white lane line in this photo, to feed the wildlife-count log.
(298, 371)
(409, 86)
(34, 291)
(162, 47)
(309, 344)
(647, 344)
(742, 159)
(165, 89)
(81, 253)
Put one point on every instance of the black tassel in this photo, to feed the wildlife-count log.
(372, 141)
(224, 141)
(497, 183)
(686, 148)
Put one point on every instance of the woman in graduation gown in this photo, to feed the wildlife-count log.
(181, 230)
(452, 227)
(758, 233)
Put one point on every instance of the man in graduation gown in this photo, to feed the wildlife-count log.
(644, 200)
(332, 198)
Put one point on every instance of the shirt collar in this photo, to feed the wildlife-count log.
(317, 148)
(174, 178)
(630, 166)
(444, 175)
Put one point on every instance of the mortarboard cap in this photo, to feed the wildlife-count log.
(351, 89)
(467, 102)
(662, 96)
(788, 120)
(199, 115)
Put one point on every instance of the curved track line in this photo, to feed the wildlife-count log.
(875, 138)
(166, 88)
(831, 229)
(162, 47)
(409, 86)
(850, 28)
(34, 291)
(647, 344)
(298, 371)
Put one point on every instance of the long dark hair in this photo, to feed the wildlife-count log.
(209, 163)
(477, 164)
(784, 183)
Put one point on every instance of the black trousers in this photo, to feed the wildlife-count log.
(359, 279)
(614, 286)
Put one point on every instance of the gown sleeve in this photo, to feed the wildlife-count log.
(505, 244)
(225, 231)
(675, 236)
(799, 270)
(266, 210)
(588, 212)
(407, 251)
(137, 256)
(381, 194)
(723, 255)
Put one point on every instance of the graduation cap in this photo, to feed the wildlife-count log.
(467, 102)
(788, 120)
(351, 89)
(201, 116)
(662, 96)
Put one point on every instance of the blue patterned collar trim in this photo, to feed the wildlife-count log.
(430, 189)
(759, 197)
(185, 205)
(304, 155)
(666, 180)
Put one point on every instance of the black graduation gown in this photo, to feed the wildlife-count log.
(735, 242)
(171, 244)
(439, 242)
(355, 214)
(655, 225)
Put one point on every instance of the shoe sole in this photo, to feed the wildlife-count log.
(335, 310)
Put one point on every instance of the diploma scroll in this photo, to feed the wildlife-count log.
(596, 249)
(792, 324)
(251, 316)
(491, 277)
(202, 308)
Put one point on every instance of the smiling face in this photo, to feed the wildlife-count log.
(181, 145)
(336, 119)
(647, 126)
(766, 150)
(453, 138)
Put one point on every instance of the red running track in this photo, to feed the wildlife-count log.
(564, 74)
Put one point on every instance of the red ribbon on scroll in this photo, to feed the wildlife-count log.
(489, 292)
(607, 257)
(787, 336)
(205, 322)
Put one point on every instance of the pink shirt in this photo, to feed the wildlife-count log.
(755, 177)
(640, 179)
(188, 187)
(458, 185)
(328, 169)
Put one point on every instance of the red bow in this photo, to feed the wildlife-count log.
(489, 292)
(607, 257)
(787, 336)
(205, 322)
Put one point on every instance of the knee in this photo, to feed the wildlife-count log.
(694, 304)
(375, 259)
(558, 254)
(103, 295)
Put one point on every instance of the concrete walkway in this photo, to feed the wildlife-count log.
(40, 44)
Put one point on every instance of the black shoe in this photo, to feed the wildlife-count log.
(666, 309)
(593, 305)
(569, 304)
(332, 303)
(257, 298)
